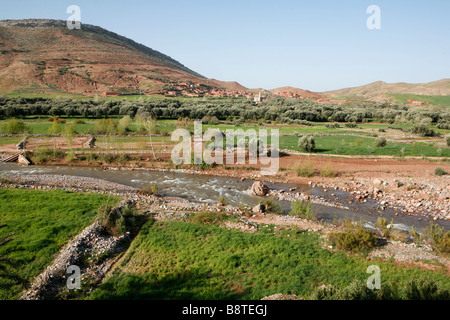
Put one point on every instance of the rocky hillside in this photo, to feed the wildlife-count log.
(44, 56)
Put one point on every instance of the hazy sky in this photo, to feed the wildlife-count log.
(317, 45)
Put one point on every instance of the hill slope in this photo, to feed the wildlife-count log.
(380, 90)
(296, 93)
(44, 56)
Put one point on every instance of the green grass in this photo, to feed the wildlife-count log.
(434, 100)
(351, 145)
(42, 222)
(179, 260)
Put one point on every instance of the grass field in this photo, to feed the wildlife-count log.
(42, 222)
(434, 100)
(351, 145)
(179, 260)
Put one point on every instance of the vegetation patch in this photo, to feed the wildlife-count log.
(185, 261)
(41, 223)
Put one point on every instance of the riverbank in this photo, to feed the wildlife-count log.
(407, 187)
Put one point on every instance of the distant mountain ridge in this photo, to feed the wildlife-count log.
(379, 90)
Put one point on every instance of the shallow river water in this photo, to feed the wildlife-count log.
(208, 189)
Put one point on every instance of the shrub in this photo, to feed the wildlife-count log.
(415, 235)
(423, 130)
(117, 221)
(305, 169)
(223, 200)
(123, 158)
(14, 126)
(383, 225)
(334, 125)
(400, 236)
(149, 190)
(380, 142)
(439, 240)
(424, 289)
(127, 220)
(440, 172)
(210, 120)
(307, 143)
(70, 156)
(301, 209)
(351, 125)
(357, 290)
(354, 238)
(41, 155)
(328, 171)
(123, 124)
(272, 206)
(447, 140)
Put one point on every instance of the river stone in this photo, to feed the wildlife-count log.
(260, 208)
(377, 182)
(259, 189)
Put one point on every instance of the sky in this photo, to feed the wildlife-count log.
(316, 45)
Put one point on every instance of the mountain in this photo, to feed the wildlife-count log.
(380, 90)
(44, 56)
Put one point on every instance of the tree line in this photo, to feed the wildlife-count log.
(274, 109)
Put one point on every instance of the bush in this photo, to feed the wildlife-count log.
(351, 125)
(439, 172)
(223, 200)
(149, 190)
(424, 289)
(307, 143)
(327, 171)
(380, 142)
(305, 169)
(415, 235)
(357, 290)
(354, 238)
(301, 209)
(447, 140)
(117, 221)
(41, 155)
(272, 206)
(383, 225)
(14, 126)
(423, 130)
(439, 240)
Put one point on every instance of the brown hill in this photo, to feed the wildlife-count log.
(44, 56)
(296, 93)
(378, 91)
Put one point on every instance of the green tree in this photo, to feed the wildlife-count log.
(54, 130)
(307, 143)
(148, 121)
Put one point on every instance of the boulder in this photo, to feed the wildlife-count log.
(260, 208)
(377, 182)
(259, 189)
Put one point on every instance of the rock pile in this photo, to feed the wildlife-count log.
(89, 244)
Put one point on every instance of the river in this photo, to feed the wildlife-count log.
(208, 189)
